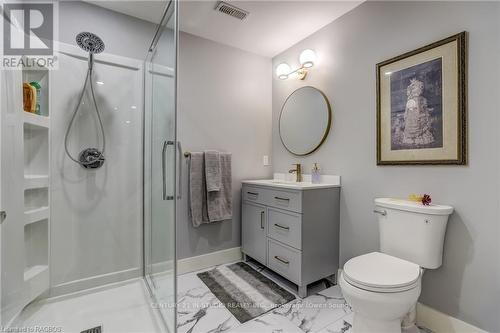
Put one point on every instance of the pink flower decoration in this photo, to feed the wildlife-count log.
(426, 200)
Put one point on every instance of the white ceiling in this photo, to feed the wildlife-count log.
(148, 10)
(270, 28)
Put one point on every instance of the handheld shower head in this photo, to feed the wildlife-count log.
(90, 42)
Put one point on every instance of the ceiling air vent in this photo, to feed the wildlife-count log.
(231, 10)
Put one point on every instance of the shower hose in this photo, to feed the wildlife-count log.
(91, 159)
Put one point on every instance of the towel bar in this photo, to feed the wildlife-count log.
(187, 154)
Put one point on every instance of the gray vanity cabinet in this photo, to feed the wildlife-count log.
(294, 232)
(255, 229)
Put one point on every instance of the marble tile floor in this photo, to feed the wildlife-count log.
(128, 308)
(323, 311)
(199, 311)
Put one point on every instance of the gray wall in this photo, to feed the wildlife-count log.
(467, 286)
(224, 103)
(122, 34)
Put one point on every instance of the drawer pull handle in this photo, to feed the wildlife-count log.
(281, 227)
(262, 220)
(282, 260)
(284, 199)
(253, 193)
(381, 212)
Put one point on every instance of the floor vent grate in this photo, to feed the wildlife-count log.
(97, 329)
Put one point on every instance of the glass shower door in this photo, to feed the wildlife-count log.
(160, 156)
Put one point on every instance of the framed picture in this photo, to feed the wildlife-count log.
(422, 105)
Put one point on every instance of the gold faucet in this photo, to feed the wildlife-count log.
(298, 172)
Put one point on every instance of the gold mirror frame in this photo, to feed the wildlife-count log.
(327, 130)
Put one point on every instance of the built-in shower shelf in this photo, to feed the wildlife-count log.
(36, 214)
(30, 206)
(35, 121)
(35, 181)
(34, 271)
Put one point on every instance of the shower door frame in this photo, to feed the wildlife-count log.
(171, 12)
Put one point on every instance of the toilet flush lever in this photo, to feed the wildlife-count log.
(381, 212)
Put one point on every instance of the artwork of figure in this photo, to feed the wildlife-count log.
(416, 107)
(422, 105)
(417, 130)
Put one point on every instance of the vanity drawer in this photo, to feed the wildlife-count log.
(289, 200)
(285, 227)
(284, 260)
(254, 194)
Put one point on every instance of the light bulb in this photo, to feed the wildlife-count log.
(307, 58)
(283, 70)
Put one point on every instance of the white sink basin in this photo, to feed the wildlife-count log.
(327, 181)
(279, 181)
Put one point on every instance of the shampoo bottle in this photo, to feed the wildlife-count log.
(315, 175)
(38, 97)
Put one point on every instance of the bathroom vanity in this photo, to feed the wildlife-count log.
(292, 228)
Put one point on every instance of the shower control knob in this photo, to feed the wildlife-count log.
(91, 158)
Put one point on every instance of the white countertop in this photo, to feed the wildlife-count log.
(280, 181)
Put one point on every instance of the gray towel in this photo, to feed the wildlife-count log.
(197, 190)
(212, 170)
(220, 203)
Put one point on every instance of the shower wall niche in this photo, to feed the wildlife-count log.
(36, 151)
(25, 193)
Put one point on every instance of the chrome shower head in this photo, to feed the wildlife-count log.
(90, 42)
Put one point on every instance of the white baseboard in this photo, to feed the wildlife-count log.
(193, 264)
(442, 323)
(94, 281)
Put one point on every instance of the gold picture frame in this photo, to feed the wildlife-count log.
(422, 105)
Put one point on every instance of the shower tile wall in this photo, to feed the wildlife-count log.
(96, 231)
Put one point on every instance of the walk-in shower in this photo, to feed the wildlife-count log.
(88, 237)
(89, 158)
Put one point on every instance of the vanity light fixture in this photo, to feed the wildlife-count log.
(283, 70)
(307, 59)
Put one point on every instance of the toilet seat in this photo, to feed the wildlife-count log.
(380, 272)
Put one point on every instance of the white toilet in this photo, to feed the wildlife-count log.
(383, 287)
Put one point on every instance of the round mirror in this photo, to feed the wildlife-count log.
(304, 121)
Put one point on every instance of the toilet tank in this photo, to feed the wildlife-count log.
(411, 231)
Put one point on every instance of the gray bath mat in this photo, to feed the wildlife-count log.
(245, 292)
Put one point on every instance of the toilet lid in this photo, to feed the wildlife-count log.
(381, 272)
